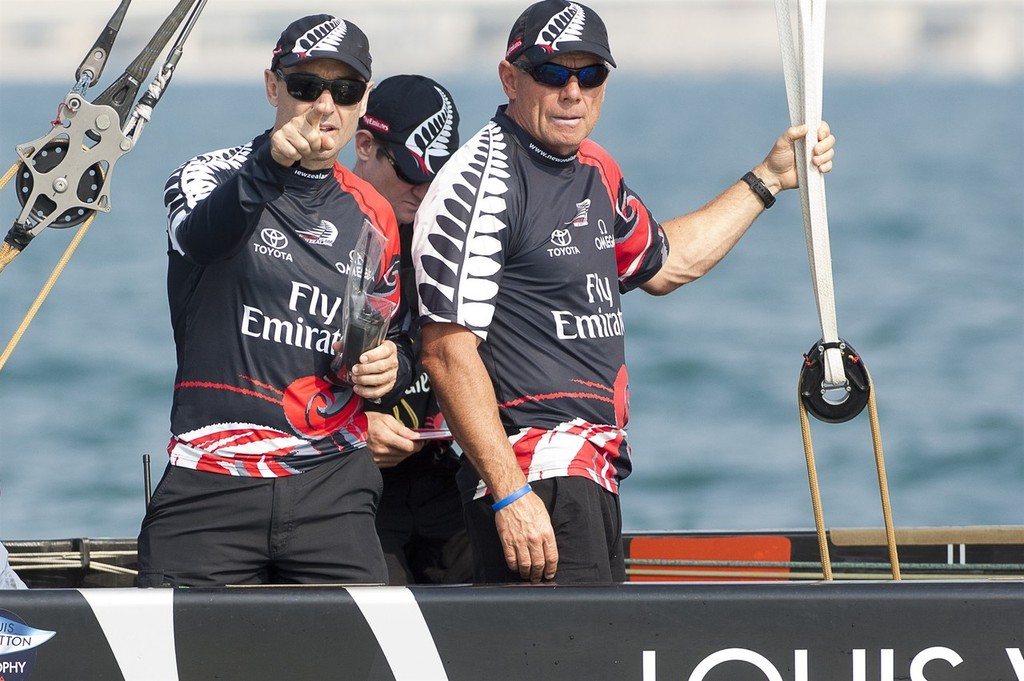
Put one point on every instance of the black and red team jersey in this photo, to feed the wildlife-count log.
(531, 252)
(259, 259)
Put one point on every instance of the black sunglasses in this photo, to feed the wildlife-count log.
(306, 87)
(394, 166)
(556, 75)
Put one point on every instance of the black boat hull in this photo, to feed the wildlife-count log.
(780, 631)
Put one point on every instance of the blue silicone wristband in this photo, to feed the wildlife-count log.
(522, 491)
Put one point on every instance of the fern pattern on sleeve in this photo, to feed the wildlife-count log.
(461, 259)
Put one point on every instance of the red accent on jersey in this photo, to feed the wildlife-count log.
(622, 398)
(383, 217)
(313, 408)
(588, 461)
(629, 251)
(229, 437)
(224, 386)
(261, 384)
(553, 396)
(590, 384)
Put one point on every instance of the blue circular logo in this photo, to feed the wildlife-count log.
(18, 643)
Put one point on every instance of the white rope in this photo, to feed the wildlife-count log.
(803, 62)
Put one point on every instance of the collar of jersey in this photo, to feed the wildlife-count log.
(527, 141)
(301, 174)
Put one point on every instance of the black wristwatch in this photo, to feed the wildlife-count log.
(757, 186)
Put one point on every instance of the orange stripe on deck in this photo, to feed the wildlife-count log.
(769, 548)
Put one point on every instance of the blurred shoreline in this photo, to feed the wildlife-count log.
(46, 41)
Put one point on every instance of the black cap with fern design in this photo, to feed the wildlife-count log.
(322, 36)
(552, 27)
(416, 117)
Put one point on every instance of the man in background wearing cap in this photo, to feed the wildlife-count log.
(270, 479)
(409, 130)
(525, 243)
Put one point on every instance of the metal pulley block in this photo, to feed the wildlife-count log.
(834, 403)
(42, 162)
(64, 175)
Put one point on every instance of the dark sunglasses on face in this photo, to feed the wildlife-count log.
(306, 87)
(394, 165)
(556, 75)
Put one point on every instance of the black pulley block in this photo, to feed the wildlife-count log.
(833, 404)
(46, 159)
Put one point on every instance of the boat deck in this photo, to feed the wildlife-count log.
(861, 554)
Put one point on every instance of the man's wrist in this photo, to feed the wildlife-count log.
(759, 188)
(502, 503)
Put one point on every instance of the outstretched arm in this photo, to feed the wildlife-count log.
(699, 240)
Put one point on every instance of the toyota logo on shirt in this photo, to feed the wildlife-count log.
(561, 237)
(274, 243)
(273, 238)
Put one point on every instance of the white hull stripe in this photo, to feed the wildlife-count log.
(402, 633)
(139, 626)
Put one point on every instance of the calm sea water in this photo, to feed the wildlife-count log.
(927, 230)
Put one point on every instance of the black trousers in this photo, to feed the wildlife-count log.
(316, 527)
(421, 528)
(587, 521)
